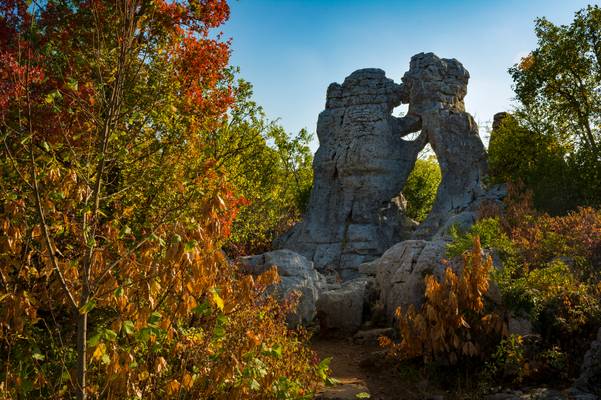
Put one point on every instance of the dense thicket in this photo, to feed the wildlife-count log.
(115, 202)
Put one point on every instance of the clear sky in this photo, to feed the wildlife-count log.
(291, 50)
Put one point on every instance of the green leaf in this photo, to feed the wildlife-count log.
(202, 309)
(94, 340)
(119, 292)
(110, 335)
(72, 84)
(38, 356)
(190, 246)
(128, 327)
(89, 306)
(46, 146)
(154, 318)
(363, 395)
(254, 385)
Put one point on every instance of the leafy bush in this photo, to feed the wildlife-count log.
(267, 167)
(454, 323)
(549, 272)
(490, 233)
(421, 187)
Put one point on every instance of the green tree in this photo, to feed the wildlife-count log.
(557, 87)
(267, 166)
(421, 187)
(113, 212)
(535, 159)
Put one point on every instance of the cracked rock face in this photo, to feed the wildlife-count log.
(435, 89)
(360, 168)
(356, 209)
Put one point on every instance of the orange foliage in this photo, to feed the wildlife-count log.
(453, 322)
(112, 219)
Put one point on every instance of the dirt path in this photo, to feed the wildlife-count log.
(362, 368)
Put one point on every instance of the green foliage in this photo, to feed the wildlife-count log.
(509, 360)
(549, 274)
(420, 189)
(119, 179)
(268, 167)
(559, 102)
(491, 235)
(537, 160)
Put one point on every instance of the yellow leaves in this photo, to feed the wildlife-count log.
(160, 365)
(254, 338)
(172, 387)
(187, 381)
(526, 62)
(99, 352)
(217, 300)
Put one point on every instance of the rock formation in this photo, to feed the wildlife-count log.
(356, 209)
(362, 163)
(435, 88)
(296, 274)
(355, 224)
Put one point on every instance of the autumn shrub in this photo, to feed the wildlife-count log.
(547, 272)
(113, 214)
(454, 323)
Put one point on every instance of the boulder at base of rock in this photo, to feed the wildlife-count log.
(401, 271)
(588, 384)
(340, 310)
(296, 274)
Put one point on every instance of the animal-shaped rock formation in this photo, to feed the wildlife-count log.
(360, 168)
(356, 208)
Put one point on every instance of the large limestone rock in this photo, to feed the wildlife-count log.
(435, 88)
(296, 274)
(362, 163)
(401, 270)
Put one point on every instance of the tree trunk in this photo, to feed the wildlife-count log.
(82, 327)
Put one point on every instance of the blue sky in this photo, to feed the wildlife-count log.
(291, 50)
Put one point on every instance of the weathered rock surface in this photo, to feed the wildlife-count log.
(362, 163)
(296, 274)
(340, 310)
(401, 271)
(589, 381)
(435, 88)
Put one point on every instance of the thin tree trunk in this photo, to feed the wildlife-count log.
(82, 330)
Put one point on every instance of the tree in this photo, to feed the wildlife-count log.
(421, 187)
(265, 165)
(557, 89)
(536, 160)
(112, 215)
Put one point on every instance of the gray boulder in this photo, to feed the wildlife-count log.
(340, 310)
(588, 384)
(296, 274)
(401, 270)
